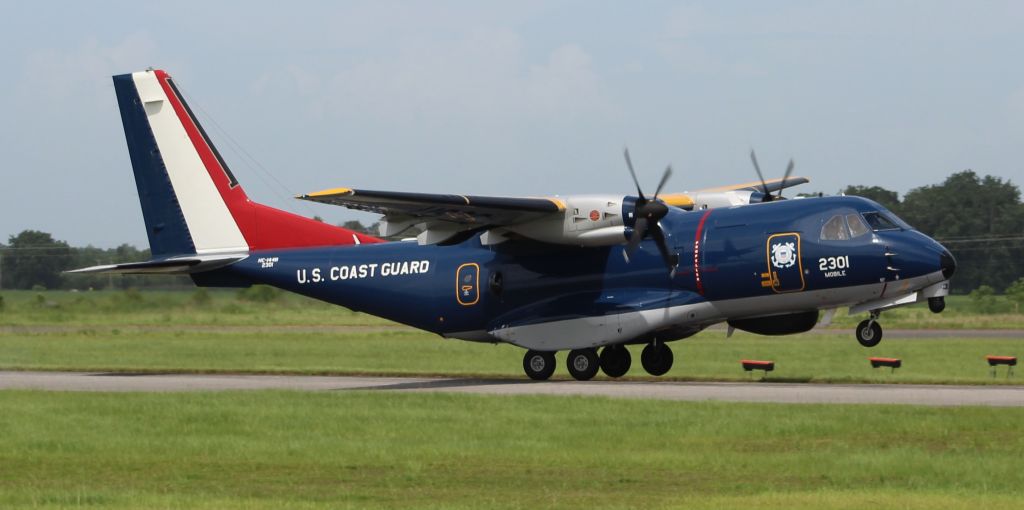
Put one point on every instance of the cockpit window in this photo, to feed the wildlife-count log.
(879, 221)
(857, 225)
(835, 229)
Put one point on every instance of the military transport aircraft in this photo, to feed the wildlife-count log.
(575, 273)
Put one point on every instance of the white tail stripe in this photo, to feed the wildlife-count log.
(209, 221)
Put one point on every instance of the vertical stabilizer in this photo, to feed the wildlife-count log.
(191, 202)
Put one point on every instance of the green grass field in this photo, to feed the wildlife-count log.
(224, 308)
(171, 331)
(383, 450)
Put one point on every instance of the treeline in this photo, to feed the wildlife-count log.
(980, 219)
(35, 260)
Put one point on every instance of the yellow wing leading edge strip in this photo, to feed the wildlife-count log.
(558, 202)
(328, 192)
(677, 200)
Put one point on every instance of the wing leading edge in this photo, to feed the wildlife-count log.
(773, 185)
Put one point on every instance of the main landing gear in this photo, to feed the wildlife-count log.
(539, 365)
(869, 332)
(584, 364)
(615, 360)
(656, 358)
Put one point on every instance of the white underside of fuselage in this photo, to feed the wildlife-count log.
(596, 331)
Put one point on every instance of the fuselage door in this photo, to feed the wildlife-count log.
(784, 270)
(467, 284)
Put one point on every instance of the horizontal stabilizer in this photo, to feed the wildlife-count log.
(176, 265)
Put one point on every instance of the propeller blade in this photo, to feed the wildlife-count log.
(639, 230)
(664, 179)
(671, 260)
(764, 185)
(789, 170)
(629, 164)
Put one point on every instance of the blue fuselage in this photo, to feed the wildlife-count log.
(724, 254)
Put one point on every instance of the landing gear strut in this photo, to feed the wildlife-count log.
(869, 332)
(539, 365)
(583, 364)
(615, 360)
(656, 358)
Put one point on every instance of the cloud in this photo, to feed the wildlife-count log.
(485, 76)
(86, 69)
(66, 135)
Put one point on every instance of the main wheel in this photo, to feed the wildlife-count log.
(539, 365)
(583, 364)
(869, 333)
(615, 360)
(656, 358)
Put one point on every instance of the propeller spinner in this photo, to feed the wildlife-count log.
(648, 213)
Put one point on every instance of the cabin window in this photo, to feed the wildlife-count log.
(879, 221)
(857, 225)
(835, 230)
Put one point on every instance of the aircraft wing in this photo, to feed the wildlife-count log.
(773, 185)
(460, 212)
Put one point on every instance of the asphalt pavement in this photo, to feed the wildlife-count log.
(768, 392)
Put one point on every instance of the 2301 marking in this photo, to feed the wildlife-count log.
(828, 263)
(834, 266)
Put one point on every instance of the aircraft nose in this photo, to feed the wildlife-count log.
(947, 263)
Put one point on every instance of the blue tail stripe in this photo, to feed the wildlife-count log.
(165, 223)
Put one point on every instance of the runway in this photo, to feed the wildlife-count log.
(788, 393)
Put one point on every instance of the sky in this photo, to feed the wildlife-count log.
(506, 98)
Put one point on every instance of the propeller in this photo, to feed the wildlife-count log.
(768, 197)
(648, 213)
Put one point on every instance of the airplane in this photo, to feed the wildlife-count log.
(585, 274)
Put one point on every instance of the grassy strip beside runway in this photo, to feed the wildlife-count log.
(269, 332)
(264, 306)
(708, 356)
(384, 450)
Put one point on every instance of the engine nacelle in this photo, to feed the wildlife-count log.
(587, 221)
(713, 199)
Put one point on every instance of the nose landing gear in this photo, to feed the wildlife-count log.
(869, 332)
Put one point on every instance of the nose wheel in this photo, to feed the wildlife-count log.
(869, 332)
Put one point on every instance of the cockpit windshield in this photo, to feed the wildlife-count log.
(857, 225)
(849, 226)
(880, 221)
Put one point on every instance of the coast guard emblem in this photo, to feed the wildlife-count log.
(783, 255)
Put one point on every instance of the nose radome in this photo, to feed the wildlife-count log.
(948, 263)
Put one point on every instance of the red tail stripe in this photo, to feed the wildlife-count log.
(263, 227)
(696, 252)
